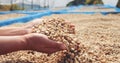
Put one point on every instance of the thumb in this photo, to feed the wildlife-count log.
(60, 46)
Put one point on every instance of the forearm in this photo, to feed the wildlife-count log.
(11, 43)
(13, 31)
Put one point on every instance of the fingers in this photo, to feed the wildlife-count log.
(61, 46)
(50, 50)
(58, 45)
(41, 43)
(53, 47)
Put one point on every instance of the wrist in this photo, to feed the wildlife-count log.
(30, 38)
(25, 44)
(27, 40)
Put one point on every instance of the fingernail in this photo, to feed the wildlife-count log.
(63, 46)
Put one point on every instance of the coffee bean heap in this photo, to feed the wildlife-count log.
(58, 30)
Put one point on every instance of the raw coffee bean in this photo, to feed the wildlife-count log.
(58, 30)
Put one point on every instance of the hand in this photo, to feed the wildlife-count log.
(41, 43)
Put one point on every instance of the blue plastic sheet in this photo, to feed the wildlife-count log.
(69, 11)
(24, 19)
(117, 9)
(32, 15)
(19, 12)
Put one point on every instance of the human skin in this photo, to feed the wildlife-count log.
(16, 31)
(36, 42)
(13, 31)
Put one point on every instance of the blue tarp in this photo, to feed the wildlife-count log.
(32, 15)
(24, 19)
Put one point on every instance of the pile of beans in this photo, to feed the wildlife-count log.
(58, 30)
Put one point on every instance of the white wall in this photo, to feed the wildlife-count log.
(61, 3)
(110, 2)
(52, 3)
